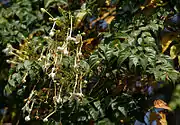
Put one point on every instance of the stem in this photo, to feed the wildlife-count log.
(76, 82)
(71, 28)
(48, 13)
(31, 106)
(53, 26)
(59, 96)
(50, 114)
(81, 85)
(17, 56)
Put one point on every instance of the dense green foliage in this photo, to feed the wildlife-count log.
(64, 68)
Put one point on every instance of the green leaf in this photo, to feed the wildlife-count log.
(149, 40)
(109, 54)
(17, 77)
(145, 34)
(20, 66)
(179, 60)
(27, 64)
(48, 2)
(122, 110)
(105, 121)
(8, 90)
(144, 62)
(133, 60)
(93, 113)
(80, 17)
(84, 65)
(12, 82)
(93, 60)
(123, 55)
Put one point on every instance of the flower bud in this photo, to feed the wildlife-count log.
(8, 61)
(27, 118)
(80, 54)
(43, 10)
(50, 19)
(51, 33)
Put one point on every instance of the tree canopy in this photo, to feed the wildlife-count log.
(74, 62)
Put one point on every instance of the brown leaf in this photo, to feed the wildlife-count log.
(161, 104)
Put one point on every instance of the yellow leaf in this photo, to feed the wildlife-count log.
(173, 52)
(109, 19)
(88, 41)
(163, 120)
(179, 60)
(166, 41)
(80, 17)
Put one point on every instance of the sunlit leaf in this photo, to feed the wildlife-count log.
(80, 17)
(173, 52)
(166, 41)
(122, 110)
(161, 104)
(7, 90)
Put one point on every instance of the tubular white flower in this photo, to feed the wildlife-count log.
(51, 33)
(66, 52)
(27, 118)
(43, 10)
(71, 38)
(61, 49)
(45, 120)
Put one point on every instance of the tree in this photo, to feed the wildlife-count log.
(84, 62)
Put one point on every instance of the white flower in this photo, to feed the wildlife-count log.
(85, 81)
(43, 10)
(27, 118)
(80, 54)
(52, 75)
(51, 33)
(39, 59)
(50, 19)
(107, 74)
(46, 37)
(59, 100)
(78, 39)
(45, 120)
(61, 49)
(71, 38)
(65, 51)
(8, 49)
(24, 80)
(8, 61)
